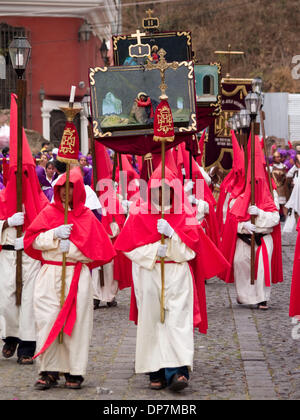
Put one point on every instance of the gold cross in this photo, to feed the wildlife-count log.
(162, 66)
(138, 36)
(149, 12)
(229, 53)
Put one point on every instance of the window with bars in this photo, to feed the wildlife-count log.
(9, 84)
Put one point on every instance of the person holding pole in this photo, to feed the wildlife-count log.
(164, 346)
(238, 231)
(17, 326)
(86, 245)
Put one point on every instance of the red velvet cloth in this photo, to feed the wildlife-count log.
(163, 125)
(69, 147)
(33, 198)
(88, 234)
(141, 229)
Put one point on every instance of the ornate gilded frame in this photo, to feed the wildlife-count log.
(186, 127)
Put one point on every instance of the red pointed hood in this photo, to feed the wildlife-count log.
(88, 234)
(263, 197)
(104, 164)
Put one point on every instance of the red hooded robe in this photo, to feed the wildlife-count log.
(239, 213)
(141, 229)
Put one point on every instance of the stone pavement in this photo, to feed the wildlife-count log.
(246, 355)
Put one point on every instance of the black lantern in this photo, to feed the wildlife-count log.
(253, 103)
(245, 119)
(104, 51)
(84, 32)
(257, 85)
(19, 51)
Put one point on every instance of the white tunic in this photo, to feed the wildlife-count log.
(247, 293)
(16, 321)
(72, 355)
(169, 344)
(110, 289)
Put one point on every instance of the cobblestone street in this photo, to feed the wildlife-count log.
(247, 354)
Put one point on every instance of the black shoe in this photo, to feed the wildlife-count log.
(112, 303)
(96, 303)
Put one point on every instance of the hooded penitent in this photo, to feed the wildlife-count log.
(141, 229)
(239, 213)
(88, 235)
(234, 183)
(33, 199)
(203, 192)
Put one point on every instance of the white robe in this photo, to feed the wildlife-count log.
(110, 289)
(246, 292)
(16, 321)
(72, 355)
(169, 344)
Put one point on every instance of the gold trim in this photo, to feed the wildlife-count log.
(217, 162)
(116, 39)
(188, 35)
(190, 66)
(192, 127)
(234, 81)
(95, 70)
(66, 160)
(169, 139)
(235, 91)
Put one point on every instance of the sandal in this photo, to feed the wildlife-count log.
(158, 384)
(25, 360)
(178, 384)
(9, 349)
(47, 381)
(73, 381)
(263, 306)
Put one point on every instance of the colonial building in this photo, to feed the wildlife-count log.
(67, 37)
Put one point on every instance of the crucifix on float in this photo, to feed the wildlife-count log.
(229, 53)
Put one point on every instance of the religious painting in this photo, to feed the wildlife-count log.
(135, 49)
(124, 99)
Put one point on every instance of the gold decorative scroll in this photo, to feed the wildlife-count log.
(98, 133)
(188, 35)
(192, 127)
(116, 39)
(189, 65)
(95, 70)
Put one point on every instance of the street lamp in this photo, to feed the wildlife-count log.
(256, 85)
(253, 104)
(84, 32)
(236, 118)
(245, 118)
(19, 51)
(104, 51)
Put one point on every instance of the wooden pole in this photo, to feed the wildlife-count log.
(162, 260)
(252, 198)
(21, 90)
(63, 272)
